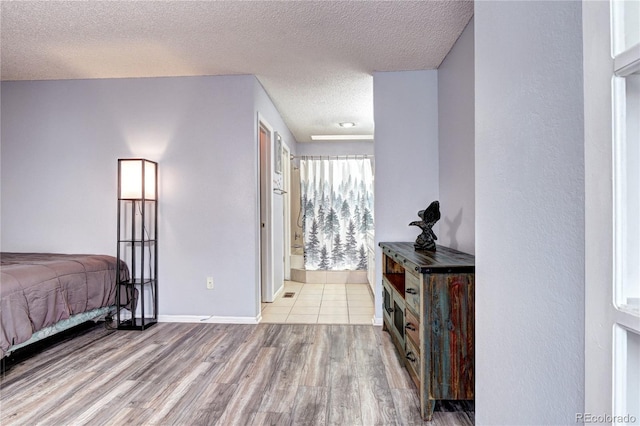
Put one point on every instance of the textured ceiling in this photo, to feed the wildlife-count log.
(314, 58)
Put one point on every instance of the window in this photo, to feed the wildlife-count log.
(625, 26)
(626, 107)
(625, 49)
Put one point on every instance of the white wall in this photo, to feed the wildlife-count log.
(529, 213)
(406, 152)
(60, 142)
(456, 128)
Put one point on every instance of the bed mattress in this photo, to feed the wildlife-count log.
(38, 290)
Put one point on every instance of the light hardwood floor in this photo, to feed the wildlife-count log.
(218, 374)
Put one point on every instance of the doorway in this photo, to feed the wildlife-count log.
(338, 295)
(286, 204)
(265, 135)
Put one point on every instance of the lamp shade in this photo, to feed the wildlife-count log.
(137, 179)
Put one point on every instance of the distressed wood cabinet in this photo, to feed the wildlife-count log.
(428, 309)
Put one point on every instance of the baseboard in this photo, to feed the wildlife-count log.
(278, 293)
(211, 319)
(203, 319)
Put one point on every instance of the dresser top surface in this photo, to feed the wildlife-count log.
(443, 257)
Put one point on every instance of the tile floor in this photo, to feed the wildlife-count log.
(321, 304)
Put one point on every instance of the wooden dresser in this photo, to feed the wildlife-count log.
(428, 309)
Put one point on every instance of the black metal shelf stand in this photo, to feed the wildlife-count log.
(137, 297)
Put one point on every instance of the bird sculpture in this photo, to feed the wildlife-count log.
(429, 216)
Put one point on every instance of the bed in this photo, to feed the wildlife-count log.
(43, 293)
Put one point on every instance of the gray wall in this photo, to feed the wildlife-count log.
(529, 175)
(456, 129)
(60, 142)
(406, 151)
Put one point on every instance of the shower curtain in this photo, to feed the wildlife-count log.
(337, 205)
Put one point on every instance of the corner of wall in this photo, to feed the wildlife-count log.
(456, 144)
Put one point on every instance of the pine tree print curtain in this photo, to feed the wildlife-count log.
(337, 204)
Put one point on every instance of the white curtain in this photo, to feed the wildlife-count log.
(337, 206)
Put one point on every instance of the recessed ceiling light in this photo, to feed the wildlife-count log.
(347, 124)
(341, 137)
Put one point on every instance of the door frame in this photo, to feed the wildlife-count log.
(265, 235)
(286, 200)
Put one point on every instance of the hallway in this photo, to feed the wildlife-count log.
(321, 304)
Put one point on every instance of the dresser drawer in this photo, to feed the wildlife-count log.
(412, 292)
(412, 357)
(411, 268)
(412, 327)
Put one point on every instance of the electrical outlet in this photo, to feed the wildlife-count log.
(210, 283)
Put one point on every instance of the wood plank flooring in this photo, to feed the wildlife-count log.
(218, 374)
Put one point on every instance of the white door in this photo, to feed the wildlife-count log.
(611, 36)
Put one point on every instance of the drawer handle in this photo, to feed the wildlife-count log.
(410, 327)
(411, 291)
(389, 310)
(411, 357)
(417, 269)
